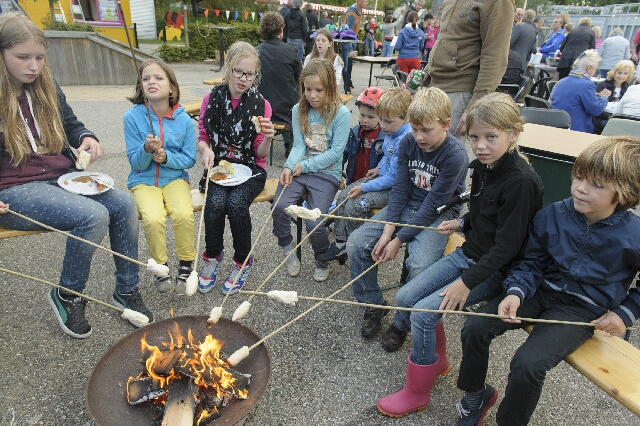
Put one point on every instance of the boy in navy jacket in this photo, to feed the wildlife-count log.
(578, 263)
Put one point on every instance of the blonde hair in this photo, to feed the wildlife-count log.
(613, 162)
(429, 105)
(614, 31)
(597, 30)
(620, 66)
(497, 110)
(566, 19)
(331, 54)
(585, 21)
(588, 58)
(237, 52)
(138, 97)
(323, 69)
(393, 102)
(568, 27)
(16, 28)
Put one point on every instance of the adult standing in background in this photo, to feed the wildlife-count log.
(312, 22)
(577, 41)
(417, 7)
(635, 47)
(517, 16)
(524, 36)
(296, 28)
(388, 32)
(325, 20)
(613, 50)
(470, 54)
(409, 45)
(284, 11)
(430, 35)
(280, 71)
(352, 19)
(554, 40)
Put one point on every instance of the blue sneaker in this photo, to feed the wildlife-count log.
(209, 272)
(475, 416)
(227, 286)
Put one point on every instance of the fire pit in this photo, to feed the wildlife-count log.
(106, 389)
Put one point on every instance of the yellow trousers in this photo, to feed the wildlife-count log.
(154, 204)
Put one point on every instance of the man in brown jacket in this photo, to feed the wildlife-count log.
(470, 55)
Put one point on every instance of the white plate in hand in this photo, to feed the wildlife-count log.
(75, 182)
(241, 174)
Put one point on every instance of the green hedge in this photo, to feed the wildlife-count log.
(63, 26)
(203, 42)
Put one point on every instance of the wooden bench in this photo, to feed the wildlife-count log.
(213, 81)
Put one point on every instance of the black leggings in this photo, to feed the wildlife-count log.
(232, 202)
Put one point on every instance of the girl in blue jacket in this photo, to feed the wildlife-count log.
(409, 45)
(158, 157)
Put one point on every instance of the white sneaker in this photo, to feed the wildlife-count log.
(293, 267)
(322, 272)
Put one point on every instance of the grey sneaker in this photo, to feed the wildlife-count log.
(164, 284)
(322, 272)
(293, 265)
(474, 417)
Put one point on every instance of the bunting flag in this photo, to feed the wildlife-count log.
(227, 13)
(245, 15)
(217, 11)
(253, 16)
(206, 13)
(236, 18)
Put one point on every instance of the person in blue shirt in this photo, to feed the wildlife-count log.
(554, 40)
(579, 261)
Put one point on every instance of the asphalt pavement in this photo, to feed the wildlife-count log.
(323, 372)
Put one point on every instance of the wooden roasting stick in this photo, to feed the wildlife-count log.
(216, 312)
(243, 352)
(299, 211)
(136, 318)
(292, 297)
(151, 265)
(244, 306)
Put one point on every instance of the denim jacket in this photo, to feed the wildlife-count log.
(594, 263)
(350, 151)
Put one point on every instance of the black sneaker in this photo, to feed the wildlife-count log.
(70, 314)
(184, 271)
(132, 301)
(393, 338)
(334, 253)
(373, 321)
(474, 417)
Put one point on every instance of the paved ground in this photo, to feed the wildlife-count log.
(323, 372)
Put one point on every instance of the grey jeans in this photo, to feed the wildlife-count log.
(357, 207)
(459, 102)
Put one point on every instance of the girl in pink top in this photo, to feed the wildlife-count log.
(430, 36)
(226, 132)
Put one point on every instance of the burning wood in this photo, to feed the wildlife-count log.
(191, 379)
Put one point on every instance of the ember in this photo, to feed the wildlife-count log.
(190, 378)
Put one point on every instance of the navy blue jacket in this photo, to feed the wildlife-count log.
(350, 151)
(595, 263)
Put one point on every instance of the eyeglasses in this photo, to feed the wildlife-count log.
(239, 74)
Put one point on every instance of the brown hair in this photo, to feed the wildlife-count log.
(430, 105)
(497, 110)
(412, 18)
(271, 24)
(614, 163)
(138, 97)
(16, 28)
(324, 70)
(331, 55)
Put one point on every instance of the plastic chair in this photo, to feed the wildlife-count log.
(514, 90)
(620, 126)
(540, 89)
(402, 78)
(392, 77)
(533, 102)
(546, 117)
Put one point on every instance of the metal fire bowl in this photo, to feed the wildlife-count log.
(107, 386)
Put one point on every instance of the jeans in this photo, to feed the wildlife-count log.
(387, 49)
(298, 43)
(423, 291)
(347, 48)
(459, 102)
(547, 345)
(603, 72)
(369, 47)
(87, 217)
(357, 207)
(425, 249)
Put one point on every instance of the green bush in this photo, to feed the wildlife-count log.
(51, 25)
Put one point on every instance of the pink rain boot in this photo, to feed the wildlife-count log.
(441, 349)
(415, 394)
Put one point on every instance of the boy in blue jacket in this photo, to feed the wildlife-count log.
(372, 191)
(578, 263)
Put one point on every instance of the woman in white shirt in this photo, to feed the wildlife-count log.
(323, 49)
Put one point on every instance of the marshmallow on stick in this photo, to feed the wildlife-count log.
(301, 212)
(215, 315)
(286, 297)
(238, 356)
(192, 284)
(135, 318)
(156, 269)
(241, 311)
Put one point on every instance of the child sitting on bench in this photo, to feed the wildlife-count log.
(580, 258)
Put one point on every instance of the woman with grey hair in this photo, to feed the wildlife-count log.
(577, 95)
(613, 50)
(296, 28)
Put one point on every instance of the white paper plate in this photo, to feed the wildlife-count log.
(241, 174)
(84, 188)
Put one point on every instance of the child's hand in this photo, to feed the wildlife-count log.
(152, 144)
(611, 323)
(355, 191)
(372, 173)
(208, 157)
(285, 176)
(386, 249)
(160, 156)
(509, 306)
(3, 207)
(380, 245)
(93, 146)
(455, 296)
(267, 128)
(448, 227)
(297, 170)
